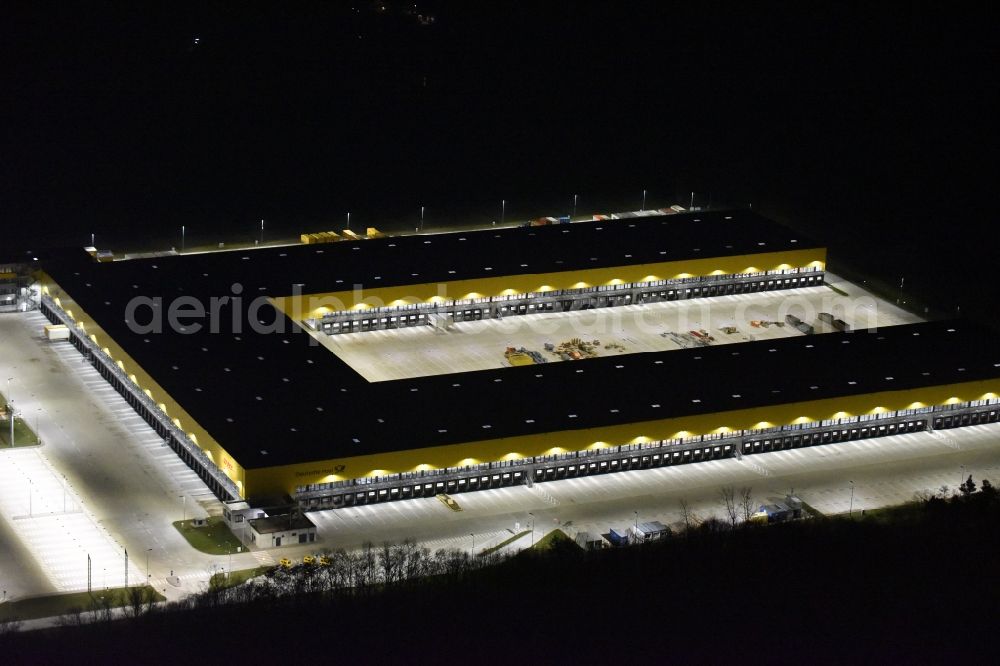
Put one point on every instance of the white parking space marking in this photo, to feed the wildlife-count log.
(126, 484)
(55, 524)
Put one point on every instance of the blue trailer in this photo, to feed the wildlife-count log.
(618, 537)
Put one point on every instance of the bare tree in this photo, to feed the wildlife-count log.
(729, 498)
(461, 562)
(340, 565)
(686, 514)
(746, 502)
(9, 625)
(305, 578)
(135, 601)
(366, 569)
(414, 560)
(102, 607)
(242, 594)
(438, 563)
(330, 577)
(391, 559)
(73, 617)
(711, 525)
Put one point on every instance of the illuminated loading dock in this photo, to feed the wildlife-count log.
(250, 399)
(566, 300)
(904, 379)
(509, 272)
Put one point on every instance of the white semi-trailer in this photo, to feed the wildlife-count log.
(57, 332)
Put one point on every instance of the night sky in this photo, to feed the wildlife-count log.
(866, 127)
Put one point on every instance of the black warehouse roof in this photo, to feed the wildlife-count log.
(283, 394)
(415, 259)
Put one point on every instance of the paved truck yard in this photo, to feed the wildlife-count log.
(101, 482)
(652, 327)
(886, 471)
(96, 446)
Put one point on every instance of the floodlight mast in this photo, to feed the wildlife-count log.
(10, 411)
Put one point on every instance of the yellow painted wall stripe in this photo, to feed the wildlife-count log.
(266, 481)
(226, 462)
(372, 295)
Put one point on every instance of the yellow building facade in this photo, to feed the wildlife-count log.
(305, 306)
(286, 478)
(145, 382)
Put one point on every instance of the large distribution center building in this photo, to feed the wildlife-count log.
(218, 352)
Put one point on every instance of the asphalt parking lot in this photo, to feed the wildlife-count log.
(122, 486)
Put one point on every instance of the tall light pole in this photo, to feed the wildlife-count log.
(91, 240)
(262, 231)
(183, 235)
(850, 511)
(348, 220)
(421, 218)
(503, 209)
(575, 196)
(532, 529)
(10, 411)
(691, 207)
(643, 200)
(126, 565)
(148, 551)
